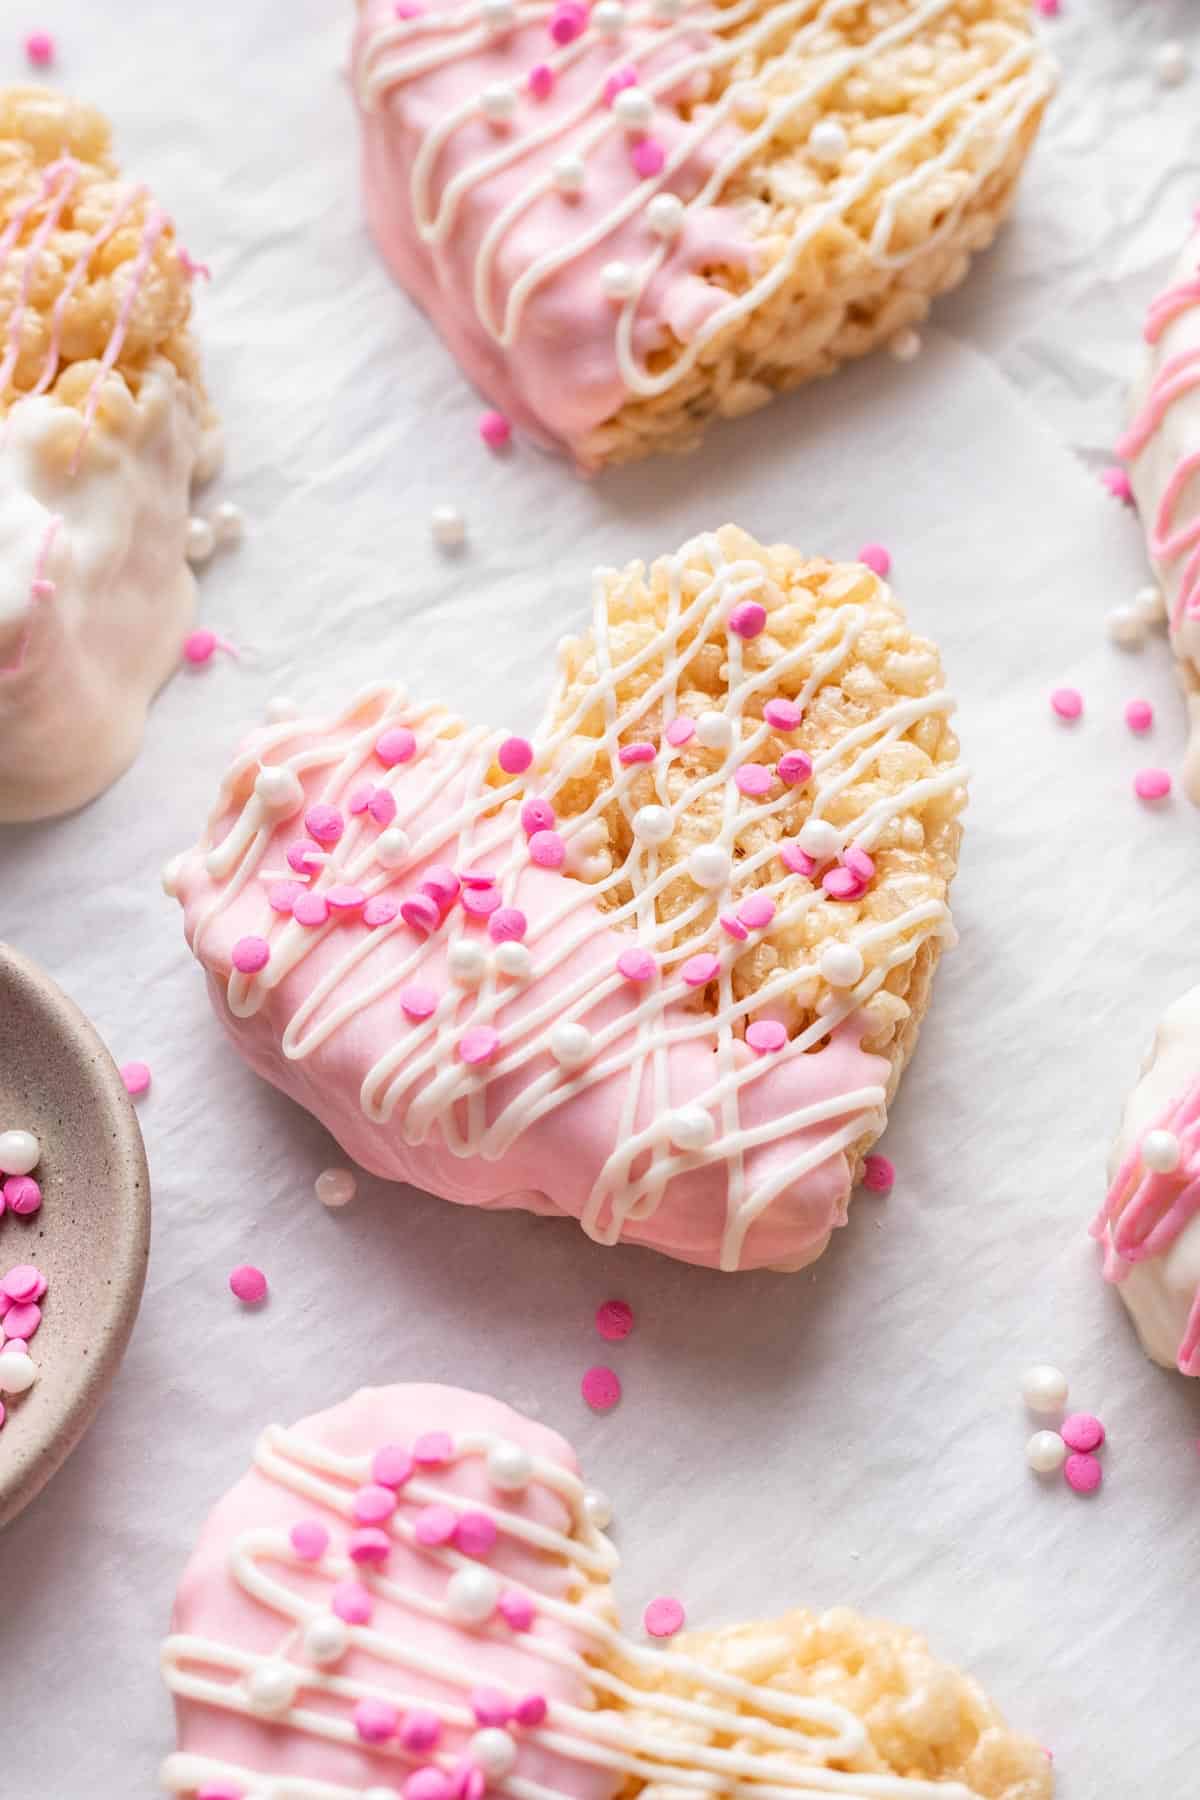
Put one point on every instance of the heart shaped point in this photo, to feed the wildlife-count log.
(585, 1046)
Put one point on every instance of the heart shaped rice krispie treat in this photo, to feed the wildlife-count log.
(103, 427)
(659, 970)
(1162, 446)
(1150, 1222)
(410, 1593)
(625, 218)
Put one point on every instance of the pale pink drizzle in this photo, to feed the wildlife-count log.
(94, 243)
(62, 190)
(40, 589)
(156, 223)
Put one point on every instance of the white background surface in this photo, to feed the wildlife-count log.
(849, 1435)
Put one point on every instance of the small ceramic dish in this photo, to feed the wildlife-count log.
(91, 1238)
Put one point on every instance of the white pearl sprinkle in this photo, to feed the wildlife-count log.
(1171, 65)
(509, 1466)
(609, 18)
(514, 960)
(271, 1687)
(393, 847)
(709, 866)
(618, 280)
(841, 965)
(471, 1595)
(1161, 1152)
(1151, 605)
(448, 526)
(18, 1372)
(571, 1044)
(817, 837)
(326, 1639)
(691, 1128)
(281, 708)
(1045, 1452)
(827, 141)
(493, 1751)
(1126, 626)
(20, 1152)
(597, 1508)
(335, 1187)
(280, 790)
(569, 174)
(653, 824)
(665, 215)
(497, 15)
(714, 731)
(906, 345)
(228, 523)
(201, 540)
(1044, 1388)
(634, 107)
(499, 102)
(467, 962)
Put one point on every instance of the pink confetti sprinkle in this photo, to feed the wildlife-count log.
(324, 823)
(541, 81)
(382, 806)
(748, 618)
(433, 1449)
(220, 1790)
(309, 1540)
(753, 780)
(421, 912)
(477, 878)
(490, 1706)
(478, 1045)
(250, 954)
(1139, 716)
(531, 1710)
(22, 1283)
(664, 1617)
(547, 850)
(379, 910)
(614, 1320)
(369, 1547)
(698, 970)
(1082, 1431)
(475, 1534)
(198, 647)
(877, 559)
(283, 895)
(625, 77)
(429, 1783)
(351, 1602)
(376, 1721)
(359, 800)
(515, 755)
(396, 745)
(601, 1388)
(421, 1730)
(794, 768)
(136, 1076)
(480, 902)
(1049, 9)
(1083, 1473)
(766, 1036)
(373, 1504)
(304, 856)
(681, 730)
(1118, 484)
(408, 9)
(21, 1322)
(756, 911)
(784, 715)
(391, 1466)
(248, 1284)
(469, 1781)
(495, 430)
(507, 925)
(1067, 702)
(648, 157)
(311, 910)
(636, 965)
(441, 884)
(879, 1173)
(797, 860)
(566, 23)
(536, 815)
(1152, 784)
(516, 1610)
(435, 1525)
(22, 1195)
(734, 927)
(18, 1346)
(842, 884)
(39, 48)
(635, 753)
(418, 1002)
(859, 863)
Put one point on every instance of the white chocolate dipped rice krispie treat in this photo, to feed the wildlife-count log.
(1149, 1225)
(410, 1593)
(1162, 447)
(627, 217)
(104, 424)
(658, 970)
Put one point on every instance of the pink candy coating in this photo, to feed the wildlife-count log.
(698, 970)
(351, 1602)
(1083, 1473)
(22, 1195)
(250, 954)
(420, 1730)
(309, 1540)
(515, 755)
(1082, 1431)
(601, 1388)
(1139, 715)
(418, 1002)
(664, 1617)
(794, 767)
(516, 1610)
(248, 1284)
(311, 909)
(541, 81)
(1067, 702)
(1152, 784)
(547, 850)
(475, 1534)
(648, 157)
(324, 823)
(478, 1045)
(766, 1035)
(379, 910)
(879, 1173)
(396, 745)
(369, 1546)
(784, 715)
(477, 878)
(495, 430)
(375, 1721)
(373, 1504)
(614, 1319)
(136, 1076)
(433, 1449)
(536, 815)
(391, 1466)
(635, 753)
(435, 1525)
(359, 800)
(877, 559)
(681, 730)
(636, 965)
(748, 618)
(507, 925)
(1117, 481)
(752, 779)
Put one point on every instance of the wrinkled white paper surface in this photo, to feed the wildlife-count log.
(853, 1434)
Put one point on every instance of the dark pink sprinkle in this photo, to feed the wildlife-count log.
(734, 927)
(22, 1195)
(877, 559)
(879, 1173)
(1118, 483)
(480, 902)
(376, 1721)
(421, 913)
(477, 878)
(797, 860)
(842, 884)
(391, 1466)
(248, 1284)
(283, 895)
(22, 1321)
(198, 647)
(515, 755)
(601, 1388)
(490, 1706)
(681, 730)
(396, 745)
(22, 1283)
(1152, 784)
(379, 910)
(794, 767)
(360, 799)
(748, 619)
(345, 899)
(478, 1045)
(1083, 1473)
(39, 48)
(136, 1076)
(547, 849)
(784, 715)
(441, 884)
(309, 1540)
(1067, 702)
(310, 909)
(324, 823)
(421, 1730)
(304, 856)
(663, 1617)
(507, 925)
(475, 1534)
(516, 1609)
(859, 863)
(250, 954)
(1082, 1431)
(541, 81)
(766, 1036)
(418, 1002)
(648, 157)
(698, 970)
(531, 1710)
(536, 815)
(370, 1546)
(382, 806)
(636, 753)
(435, 1525)
(636, 965)
(567, 21)
(1139, 716)
(614, 1319)
(495, 430)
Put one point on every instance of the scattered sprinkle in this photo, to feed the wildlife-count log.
(1118, 484)
(1152, 784)
(1067, 702)
(614, 1320)
(1083, 1473)
(336, 1187)
(309, 1540)
(877, 559)
(664, 1617)
(636, 965)
(681, 730)
(879, 1173)
(1083, 1431)
(39, 48)
(248, 1284)
(136, 1076)
(766, 1036)
(1139, 716)
(601, 1388)
(495, 430)
(515, 755)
